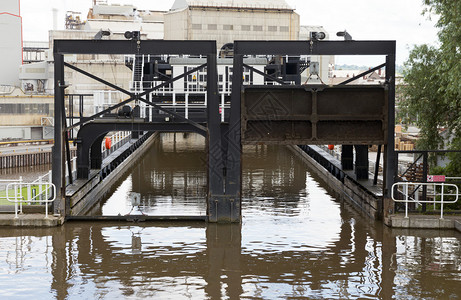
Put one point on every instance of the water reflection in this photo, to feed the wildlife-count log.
(170, 179)
(295, 241)
(190, 261)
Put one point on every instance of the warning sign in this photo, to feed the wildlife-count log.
(435, 178)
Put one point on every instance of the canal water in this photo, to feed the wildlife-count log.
(295, 242)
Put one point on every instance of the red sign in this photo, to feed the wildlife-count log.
(435, 178)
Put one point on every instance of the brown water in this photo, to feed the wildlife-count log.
(295, 242)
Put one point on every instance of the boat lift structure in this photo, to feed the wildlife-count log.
(277, 114)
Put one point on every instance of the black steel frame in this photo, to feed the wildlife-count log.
(223, 141)
(297, 48)
(153, 47)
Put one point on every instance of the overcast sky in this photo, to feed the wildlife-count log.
(399, 20)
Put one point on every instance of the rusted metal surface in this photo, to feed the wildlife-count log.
(347, 115)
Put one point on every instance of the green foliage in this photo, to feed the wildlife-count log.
(431, 97)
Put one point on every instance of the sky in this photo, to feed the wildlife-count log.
(399, 20)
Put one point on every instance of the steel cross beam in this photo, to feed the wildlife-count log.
(132, 95)
(296, 48)
(362, 74)
(152, 47)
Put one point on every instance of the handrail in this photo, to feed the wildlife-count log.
(409, 199)
(47, 189)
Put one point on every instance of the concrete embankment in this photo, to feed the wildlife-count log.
(84, 194)
(30, 220)
(425, 222)
(364, 195)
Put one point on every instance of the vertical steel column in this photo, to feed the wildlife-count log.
(58, 148)
(347, 157)
(390, 162)
(234, 152)
(361, 162)
(216, 209)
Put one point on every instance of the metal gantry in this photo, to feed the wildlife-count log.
(224, 140)
(298, 48)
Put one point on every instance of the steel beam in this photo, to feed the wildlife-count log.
(318, 114)
(295, 48)
(347, 157)
(58, 177)
(90, 134)
(390, 151)
(361, 162)
(152, 47)
(362, 74)
(234, 151)
(215, 157)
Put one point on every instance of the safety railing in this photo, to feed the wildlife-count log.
(442, 193)
(117, 139)
(3, 186)
(42, 193)
(19, 192)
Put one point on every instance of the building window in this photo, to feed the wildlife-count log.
(246, 27)
(228, 27)
(197, 26)
(212, 27)
(284, 28)
(257, 28)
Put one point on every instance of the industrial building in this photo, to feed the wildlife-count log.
(26, 90)
(229, 20)
(11, 45)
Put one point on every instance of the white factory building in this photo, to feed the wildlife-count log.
(228, 20)
(26, 88)
(11, 45)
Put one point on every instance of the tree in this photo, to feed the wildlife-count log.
(432, 94)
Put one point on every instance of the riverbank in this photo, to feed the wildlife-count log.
(366, 197)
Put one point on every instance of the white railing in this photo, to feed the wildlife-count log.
(5, 182)
(116, 138)
(438, 190)
(40, 190)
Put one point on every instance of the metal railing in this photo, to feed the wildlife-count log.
(40, 190)
(4, 183)
(438, 191)
(118, 139)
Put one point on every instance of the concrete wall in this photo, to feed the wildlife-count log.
(115, 72)
(176, 25)
(226, 25)
(27, 117)
(11, 45)
(10, 132)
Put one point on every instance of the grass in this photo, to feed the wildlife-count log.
(4, 201)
